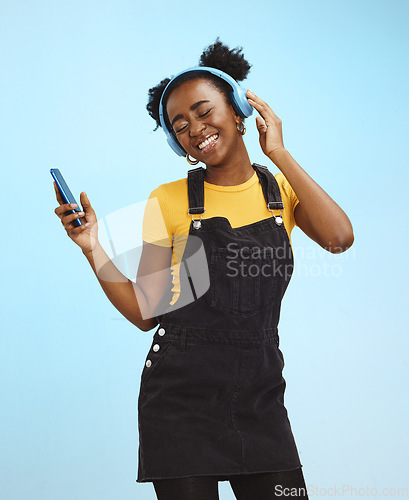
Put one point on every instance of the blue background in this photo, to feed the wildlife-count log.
(74, 80)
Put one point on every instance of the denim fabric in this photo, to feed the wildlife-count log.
(211, 401)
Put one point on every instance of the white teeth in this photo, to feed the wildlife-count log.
(208, 141)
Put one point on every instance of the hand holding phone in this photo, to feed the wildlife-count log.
(66, 193)
(81, 226)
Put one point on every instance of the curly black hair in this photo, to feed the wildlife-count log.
(218, 56)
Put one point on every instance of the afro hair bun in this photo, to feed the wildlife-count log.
(231, 61)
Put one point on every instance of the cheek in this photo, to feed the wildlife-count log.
(183, 139)
(184, 142)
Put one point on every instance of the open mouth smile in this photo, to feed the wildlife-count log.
(208, 143)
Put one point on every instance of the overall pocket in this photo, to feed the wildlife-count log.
(155, 357)
(241, 286)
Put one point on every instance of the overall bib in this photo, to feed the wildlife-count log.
(211, 400)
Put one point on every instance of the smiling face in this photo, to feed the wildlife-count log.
(204, 124)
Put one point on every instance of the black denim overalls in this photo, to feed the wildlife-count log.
(211, 400)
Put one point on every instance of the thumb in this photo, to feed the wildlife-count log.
(261, 126)
(86, 205)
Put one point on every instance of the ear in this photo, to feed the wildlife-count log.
(238, 119)
(235, 116)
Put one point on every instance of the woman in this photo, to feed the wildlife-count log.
(211, 403)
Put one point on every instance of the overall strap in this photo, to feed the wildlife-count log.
(195, 186)
(270, 187)
(195, 189)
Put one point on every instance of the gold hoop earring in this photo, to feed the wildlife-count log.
(190, 161)
(241, 128)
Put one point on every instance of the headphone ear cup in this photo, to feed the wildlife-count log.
(176, 147)
(240, 102)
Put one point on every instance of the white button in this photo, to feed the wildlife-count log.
(161, 331)
(156, 347)
(148, 363)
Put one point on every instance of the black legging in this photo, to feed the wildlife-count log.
(260, 486)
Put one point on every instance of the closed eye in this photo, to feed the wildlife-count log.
(200, 116)
(180, 130)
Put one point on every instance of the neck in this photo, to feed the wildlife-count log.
(235, 171)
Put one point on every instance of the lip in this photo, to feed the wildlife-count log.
(209, 146)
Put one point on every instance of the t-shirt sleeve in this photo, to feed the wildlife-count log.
(156, 227)
(290, 199)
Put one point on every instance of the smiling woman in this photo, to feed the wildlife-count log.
(211, 402)
(221, 391)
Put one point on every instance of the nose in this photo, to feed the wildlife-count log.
(196, 128)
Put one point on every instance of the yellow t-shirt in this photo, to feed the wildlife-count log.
(166, 221)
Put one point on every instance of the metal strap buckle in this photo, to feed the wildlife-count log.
(278, 219)
(197, 222)
(275, 205)
(188, 212)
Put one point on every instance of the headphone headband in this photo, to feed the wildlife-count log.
(237, 97)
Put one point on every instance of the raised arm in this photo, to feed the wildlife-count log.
(316, 214)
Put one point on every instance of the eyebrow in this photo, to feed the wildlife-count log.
(192, 108)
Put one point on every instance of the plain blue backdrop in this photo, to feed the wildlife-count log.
(74, 81)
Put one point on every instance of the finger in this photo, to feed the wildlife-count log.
(267, 115)
(70, 226)
(253, 97)
(260, 124)
(250, 94)
(64, 209)
(83, 196)
(74, 230)
(86, 205)
(69, 219)
(260, 105)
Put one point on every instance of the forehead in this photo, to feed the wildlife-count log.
(190, 92)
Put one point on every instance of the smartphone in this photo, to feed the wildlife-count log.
(66, 193)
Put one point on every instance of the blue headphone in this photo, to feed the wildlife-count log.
(237, 97)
